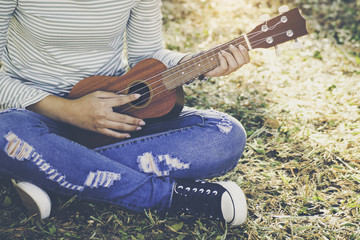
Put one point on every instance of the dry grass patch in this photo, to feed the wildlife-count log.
(301, 110)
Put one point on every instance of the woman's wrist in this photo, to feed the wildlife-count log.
(54, 107)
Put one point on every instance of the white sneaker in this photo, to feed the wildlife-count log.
(34, 198)
(224, 201)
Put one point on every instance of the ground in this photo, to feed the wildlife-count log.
(301, 111)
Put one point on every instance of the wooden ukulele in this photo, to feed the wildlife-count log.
(160, 87)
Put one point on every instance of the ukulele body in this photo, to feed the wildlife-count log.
(157, 101)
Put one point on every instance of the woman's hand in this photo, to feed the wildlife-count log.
(230, 61)
(92, 112)
(95, 112)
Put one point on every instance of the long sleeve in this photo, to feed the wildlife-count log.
(13, 93)
(47, 47)
(144, 35)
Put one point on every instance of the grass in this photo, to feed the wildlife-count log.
(301, 111)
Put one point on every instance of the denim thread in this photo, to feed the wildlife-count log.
(96, 173)
(161, 165)
(20, 150)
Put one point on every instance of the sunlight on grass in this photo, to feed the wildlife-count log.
(301, 111)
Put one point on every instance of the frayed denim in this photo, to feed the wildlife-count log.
(136, 173)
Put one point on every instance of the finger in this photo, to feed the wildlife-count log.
(245, 53)
(119, 100)
(112, 133)
(123, 127)
(220, 70)
(103, 94)
(122, 118)
(231, 61)
(238, 55)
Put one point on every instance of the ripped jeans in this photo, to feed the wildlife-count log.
(136, 173)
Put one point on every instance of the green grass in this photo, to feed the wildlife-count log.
(300, 170)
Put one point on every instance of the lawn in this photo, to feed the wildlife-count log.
(301, 110)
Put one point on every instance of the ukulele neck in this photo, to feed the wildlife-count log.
(186, 71)
(285, 27)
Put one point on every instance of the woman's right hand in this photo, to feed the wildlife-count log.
(95, 112)
(92, 112)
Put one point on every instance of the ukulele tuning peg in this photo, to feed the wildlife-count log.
(264, 18)
(283, 8)
(277, 51)
(297, 44)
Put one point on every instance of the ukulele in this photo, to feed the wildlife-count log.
(162, 96)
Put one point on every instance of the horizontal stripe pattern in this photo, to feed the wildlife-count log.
(48, 46)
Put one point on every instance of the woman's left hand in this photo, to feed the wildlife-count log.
(230, 61)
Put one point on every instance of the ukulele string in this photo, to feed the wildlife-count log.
(259, 41)
(252, 35)
(256, 43)
(208, 64)
(180, 69)
(209, 67)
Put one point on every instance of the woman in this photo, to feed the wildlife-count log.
(46, 48)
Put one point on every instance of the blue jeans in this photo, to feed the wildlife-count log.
(136, 173)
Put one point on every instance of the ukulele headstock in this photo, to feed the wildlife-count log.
(288, 26)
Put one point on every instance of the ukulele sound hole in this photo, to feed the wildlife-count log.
(142, 89)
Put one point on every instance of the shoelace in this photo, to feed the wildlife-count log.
(201, 200)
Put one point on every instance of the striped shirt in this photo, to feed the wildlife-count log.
(48, 46)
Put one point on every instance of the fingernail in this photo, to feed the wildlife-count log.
(231, 46)
(137, 95)
(142, 123)
(138, 128)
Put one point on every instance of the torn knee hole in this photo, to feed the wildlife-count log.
(161, 165)
(17, 148)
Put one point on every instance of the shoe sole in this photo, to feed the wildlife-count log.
(240, 205)
(34, 198)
